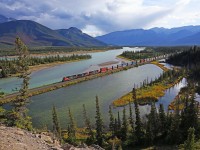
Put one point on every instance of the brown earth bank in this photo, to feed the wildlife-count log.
(108, 63)
(12, 138)
(49, 54)
(49, 65)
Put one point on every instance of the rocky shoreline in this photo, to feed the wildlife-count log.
(13, 138)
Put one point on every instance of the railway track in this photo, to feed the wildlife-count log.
(46, 88)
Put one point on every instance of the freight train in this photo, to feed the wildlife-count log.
(101, 70)
(105, 69)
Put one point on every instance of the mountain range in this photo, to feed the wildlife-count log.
(187, 35)
(35, 34)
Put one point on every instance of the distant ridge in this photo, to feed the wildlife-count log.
(35, 34)
(5, 19)
(187, 35)
(81, 39)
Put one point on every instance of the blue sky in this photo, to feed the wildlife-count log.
(97, 17)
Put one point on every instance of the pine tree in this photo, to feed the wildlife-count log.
(131, 121)
(118, 125)
(124, 129)
(152, 124)
(19, 113)
(190, 143)
(153, 120)
(132, 124)
(134, 94)
(162, 118)
(116, 128)
(189, 117)
(118, 121)
(138, 124)
(56, 124)
(174, 135)
(91, 138)
(149, 134)
(111, 124)
(72, 128)
(99, 124)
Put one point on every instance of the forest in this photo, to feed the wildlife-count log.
(53, 49)
(9, 66)
(174, 129)
(150, 52)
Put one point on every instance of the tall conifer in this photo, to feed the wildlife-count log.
(56, 124)
(99, 124)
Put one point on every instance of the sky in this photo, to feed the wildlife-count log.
(98, 17)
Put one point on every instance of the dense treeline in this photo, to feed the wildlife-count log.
(172, 49)
(189, 59)
(9, 66)
(123, 132)
(38, 50)
(150, 52)
(138, 55)
(158, 128)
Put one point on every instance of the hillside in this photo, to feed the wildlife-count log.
(188, 35)
(81, 39)
(35, 34)
(13, 138)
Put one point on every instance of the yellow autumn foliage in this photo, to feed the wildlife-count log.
(147, 94)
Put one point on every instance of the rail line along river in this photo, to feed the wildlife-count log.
(107, 88)
(55, 74)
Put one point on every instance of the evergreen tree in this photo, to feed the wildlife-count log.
(118, 121)
(138, 124)
(131, 121)
(190, 143)
(189, 117)
(134, 94)
(19, 113)
(116, 128)
(118, 125)
(124, 129)
(162, 118)
(153, 121)
(174, 135)
(99, 124)
(132, 125)
(149, 134)
(152, 124)
(56, 124)
(91, 138)
(112, 123)
(72, 128)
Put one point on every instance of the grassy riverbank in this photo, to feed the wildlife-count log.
(121, 57)
(160, 65)
(54, 86)
(49, 65)
(151, 92)
(147, 94)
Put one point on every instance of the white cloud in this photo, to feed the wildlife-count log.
(92, 30)
(97, 17)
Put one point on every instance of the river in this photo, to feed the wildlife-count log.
(107, 88)
(55, 74)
